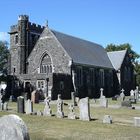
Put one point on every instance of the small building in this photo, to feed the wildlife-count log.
(124, 70)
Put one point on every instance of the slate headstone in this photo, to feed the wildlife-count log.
(20, 104)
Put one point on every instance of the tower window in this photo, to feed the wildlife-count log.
(16, 39)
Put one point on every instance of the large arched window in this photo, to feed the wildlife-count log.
(46, 64)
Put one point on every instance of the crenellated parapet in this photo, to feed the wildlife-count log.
(23, 17)
(35, 27)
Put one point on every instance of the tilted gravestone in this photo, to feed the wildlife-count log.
(71, 114)
(20, 104)
(28, 106)
(12, 127)
(60, 113)
(122, 95)
(47, 109)
(84, 109)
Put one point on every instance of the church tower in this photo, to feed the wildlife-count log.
(23, 41)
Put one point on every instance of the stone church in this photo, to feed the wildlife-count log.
(57, 63)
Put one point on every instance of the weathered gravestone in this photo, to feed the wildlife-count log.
(103, 101)
(5, 106)
(71, 114)
(122, 95)
(126, 104)
(1, 103)
(13, 128)
(137, 121)
(107, 119)
(84, 109)
(39, 113)
(20, 104)
(47, 109)
(136, 93)
(1, 106)
(60, 113)
(35, 96)
(132, 97)
(73, 98)
(28, 106)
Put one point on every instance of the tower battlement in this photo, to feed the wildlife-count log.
(35, 27)
(23, 17)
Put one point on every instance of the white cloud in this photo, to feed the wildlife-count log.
(4, 36)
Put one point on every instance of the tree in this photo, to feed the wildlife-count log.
(4, 53)
(134, 56)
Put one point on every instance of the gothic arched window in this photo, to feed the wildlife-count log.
(46, 64)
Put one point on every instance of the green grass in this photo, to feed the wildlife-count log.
(52, 128)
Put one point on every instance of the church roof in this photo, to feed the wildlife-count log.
(82, 51)
(116, 58)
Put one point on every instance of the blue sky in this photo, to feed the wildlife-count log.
(100, 21)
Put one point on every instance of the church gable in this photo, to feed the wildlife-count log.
(48, 49)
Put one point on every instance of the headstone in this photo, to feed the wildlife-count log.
(1, 106)
(47, 109)
(101, 92)
(132, 93)
(39, 113)
(1, 98)
(12, 127)
(28, 106)
(71, 114)
(5, 106)
(137, 121)
(107, 119)
(132, 97)
(126, 104)
(136, 93)
(11, 98)
(20, 104)
(73, 98)
(60, 113)
(35, 97)
(1, 103)
(25, 96)
(84, 109)
(122, 95)
(103, 101)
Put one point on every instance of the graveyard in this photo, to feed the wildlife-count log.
(58, 126)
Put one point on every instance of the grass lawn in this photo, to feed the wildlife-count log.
(52, 128)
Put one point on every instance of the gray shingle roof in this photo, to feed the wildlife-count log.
(116, 58)
(83, 52)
